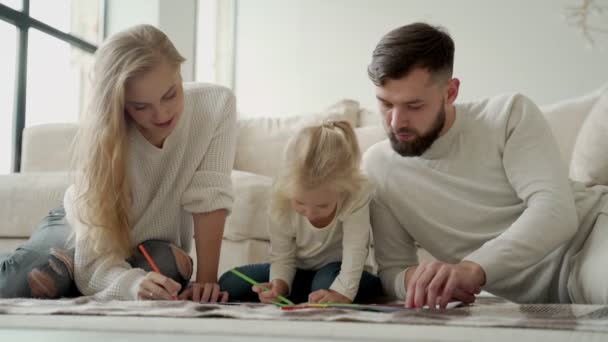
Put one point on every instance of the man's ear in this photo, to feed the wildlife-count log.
(453, 87)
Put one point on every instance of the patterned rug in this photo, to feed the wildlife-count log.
(486, 312)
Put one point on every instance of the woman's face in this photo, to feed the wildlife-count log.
(155, 101)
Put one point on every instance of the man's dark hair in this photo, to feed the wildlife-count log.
(406, 48)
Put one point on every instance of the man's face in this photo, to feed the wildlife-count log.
(413, 111)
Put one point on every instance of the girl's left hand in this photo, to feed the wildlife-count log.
(204, 293)
(327, 296)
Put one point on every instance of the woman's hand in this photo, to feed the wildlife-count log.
(268, 292)
(204, 293)
(156, 286)
(327, 296)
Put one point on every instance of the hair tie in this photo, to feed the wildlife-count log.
(329, 124)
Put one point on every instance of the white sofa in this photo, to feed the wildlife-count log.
(26, 197)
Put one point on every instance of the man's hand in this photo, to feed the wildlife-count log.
(436, 283)
(327, 296)
(269, 292)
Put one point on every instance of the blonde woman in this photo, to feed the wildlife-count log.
(319, 225)
(153, 168)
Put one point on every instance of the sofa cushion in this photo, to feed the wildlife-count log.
(566, 118)
(239, 253)
(261, 141)
(249, 218)
(27, 198)
(590, 156)
(47, 147)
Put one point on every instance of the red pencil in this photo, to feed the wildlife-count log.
(151, 261)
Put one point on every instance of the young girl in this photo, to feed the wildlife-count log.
(319, 225)
(153, 167)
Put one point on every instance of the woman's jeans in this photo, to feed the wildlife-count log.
(304, 282)
(43, 267)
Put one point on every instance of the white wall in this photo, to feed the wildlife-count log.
(301, 55)
(177, 18)
(122, 14)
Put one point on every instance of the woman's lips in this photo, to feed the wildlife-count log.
(164, 124)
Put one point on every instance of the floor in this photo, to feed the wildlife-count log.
(152, 329)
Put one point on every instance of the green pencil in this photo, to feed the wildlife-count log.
(253, 282)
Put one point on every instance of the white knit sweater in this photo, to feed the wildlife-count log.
(189, 174)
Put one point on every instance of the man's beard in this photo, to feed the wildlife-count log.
(421, 143)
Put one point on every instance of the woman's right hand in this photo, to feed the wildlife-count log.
(156, 286)
(268, 292)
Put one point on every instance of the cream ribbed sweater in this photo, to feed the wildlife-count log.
(493, 190)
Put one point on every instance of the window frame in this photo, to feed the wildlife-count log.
(22, 20)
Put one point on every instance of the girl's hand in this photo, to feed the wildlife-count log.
(327, 296)
(204, 293)
(274, 289)
(157, 287)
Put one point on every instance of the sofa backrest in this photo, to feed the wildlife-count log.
(261, 140)
(47, 147)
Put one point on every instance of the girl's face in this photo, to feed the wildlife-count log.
(155, 101)
(317, 205)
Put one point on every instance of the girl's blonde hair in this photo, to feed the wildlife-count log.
(322, 155)
(101, 144)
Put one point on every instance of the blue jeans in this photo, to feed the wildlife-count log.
(304, 282)
(43, 267)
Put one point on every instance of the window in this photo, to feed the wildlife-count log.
(77, 17)
(56, 74)
(14, 4)
(55, 13)
(215, 41)
(8, 37)
(206, 44)
(46, 57)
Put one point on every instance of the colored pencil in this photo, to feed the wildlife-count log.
(253, 282)
(143, 251)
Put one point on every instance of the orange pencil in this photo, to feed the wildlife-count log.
(150, 261)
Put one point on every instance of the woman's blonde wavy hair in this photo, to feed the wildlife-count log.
(101, 145)
(322, 155)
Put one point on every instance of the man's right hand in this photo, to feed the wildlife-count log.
(436, 283)
(157, 287)
(268, 292)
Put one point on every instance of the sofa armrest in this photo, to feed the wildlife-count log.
(26, 198)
